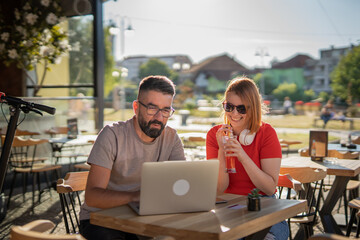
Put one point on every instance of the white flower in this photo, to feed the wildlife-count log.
(27, 6)
(46, 51)
(5, 36)
(28, 43)
(76, 47)
(21, 30)
(58, 60)
(64, 44)
(45, 3)
(12, 53)
(17, 14)
(31, 18)
(51, 19)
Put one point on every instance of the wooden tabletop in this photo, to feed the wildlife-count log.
(229, 220)
(337, 146)
(340, 167)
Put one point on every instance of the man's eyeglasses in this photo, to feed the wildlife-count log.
(153, 110)
(228, 107)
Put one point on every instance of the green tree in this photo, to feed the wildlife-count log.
(346, 77)
(157, 67)
(286, 89)
(81, 56)
(110, 80)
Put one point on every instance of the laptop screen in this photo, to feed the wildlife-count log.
(178, 186)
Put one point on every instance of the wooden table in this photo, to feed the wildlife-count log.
(229, 220)
(337, 146)
(59, 144)
(343, 169)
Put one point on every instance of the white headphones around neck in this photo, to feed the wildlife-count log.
(245, 138)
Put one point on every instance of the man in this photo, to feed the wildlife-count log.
(121, 149)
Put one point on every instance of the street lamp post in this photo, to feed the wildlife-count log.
(124, 72)
(116, 31)
(262, 52)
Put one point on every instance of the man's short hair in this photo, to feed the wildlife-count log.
(157, 83)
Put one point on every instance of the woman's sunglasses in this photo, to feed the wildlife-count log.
(228, 107)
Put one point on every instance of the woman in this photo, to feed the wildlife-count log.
(259, 153)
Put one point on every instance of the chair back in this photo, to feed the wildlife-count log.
(57, 131)
(35, 231)
(356, 140)
(304, 152)
(23, 151)
(285, 181)
(312, 181)
(343, 154)
(328, 236)
(68, 189)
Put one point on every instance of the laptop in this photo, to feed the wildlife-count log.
(177, 187)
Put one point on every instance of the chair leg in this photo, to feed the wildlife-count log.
(358, 229)
(48, 183)
(33, 190)
(11, 190)
(24, 178)
(345, 208)
(62, 202)
(290, 237)
(39, 186)
(351, 222)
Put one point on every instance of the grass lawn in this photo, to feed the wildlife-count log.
(279, 121)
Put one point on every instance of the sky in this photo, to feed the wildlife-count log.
(275, 29)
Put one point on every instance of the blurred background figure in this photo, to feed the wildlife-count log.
(287, 106)
(327, 112)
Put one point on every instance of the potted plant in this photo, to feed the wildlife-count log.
(254, 200)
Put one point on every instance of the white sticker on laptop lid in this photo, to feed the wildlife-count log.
(181, 187)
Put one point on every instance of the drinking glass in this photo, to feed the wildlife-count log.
(230, 160)
(331, 160)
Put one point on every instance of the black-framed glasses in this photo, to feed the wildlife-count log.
(228, 107)
(153, 110)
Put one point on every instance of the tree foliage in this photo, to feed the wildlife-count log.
(285, 89)
(346, 77)
(157, 67)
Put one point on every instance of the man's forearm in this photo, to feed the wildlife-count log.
(104, 198)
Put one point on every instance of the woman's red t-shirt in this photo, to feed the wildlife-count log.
(265, 145)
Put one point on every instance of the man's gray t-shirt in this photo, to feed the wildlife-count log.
(120, 149)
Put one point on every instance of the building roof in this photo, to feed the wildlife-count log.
(298, 61)
(222, 67)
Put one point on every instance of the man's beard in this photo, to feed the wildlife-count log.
(150, 132)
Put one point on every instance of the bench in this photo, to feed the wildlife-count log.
(350, 120)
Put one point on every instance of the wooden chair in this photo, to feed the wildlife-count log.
(82, 166)
(289, 187)
(54, 131)
(58, 152)
(35, 230)
(328, 236)
(343, 154)
(312, 181)
(354, 205)
(287, 143)
(356, 140)
(304, 152)
(68, 189)
(23, 161)
(351, 185)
